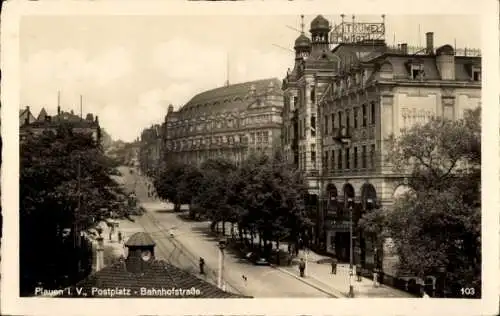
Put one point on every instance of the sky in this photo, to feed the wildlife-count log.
(128, 69)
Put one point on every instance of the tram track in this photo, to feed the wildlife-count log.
(178, 255)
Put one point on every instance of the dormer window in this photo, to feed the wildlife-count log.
(476, 74)
(416, 71)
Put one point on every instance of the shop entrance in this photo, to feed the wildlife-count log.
(342, 246)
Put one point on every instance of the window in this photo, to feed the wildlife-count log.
(347, 159)
(266, 137)
(476, 75)
(304, 130)
(372, 113)
(340, 119)
(355, 114)
(313, 156)
(414, 73)
(326, 125)
(365, 119)
(417, 71)
(372, 156)
(363, 157)
(347, 119)
(333, 159)
(252, 138)
(300, 129)
(355, 157)
(339, 160)
(295, 99)
(333, 122)
(327, 161)
(313, 126)
(313, 94)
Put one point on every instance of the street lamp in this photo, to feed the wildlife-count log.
(351, 257)
(222, 246)
(442, 273)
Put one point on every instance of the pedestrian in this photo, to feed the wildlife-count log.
(289, 248)
(119, 236)
(423, 292)
(358, 272)
(334, 265)
(110, 235)
(302, 267)
(202, 265)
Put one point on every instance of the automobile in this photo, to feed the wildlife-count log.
(257, 259)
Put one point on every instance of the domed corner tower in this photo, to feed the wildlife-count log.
(302, 43)
(320, 28)
(302, 47)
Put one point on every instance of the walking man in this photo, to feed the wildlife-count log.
(334, 265)
(302, 267)
(119, 236)
(202, 265)
(358, 272)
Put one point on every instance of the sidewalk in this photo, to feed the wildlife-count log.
(319, 275)
(113, 249)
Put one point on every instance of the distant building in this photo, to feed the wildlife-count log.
(142, 275)
(151, 148)
(44, 122)
(341, 106)
(227, 122)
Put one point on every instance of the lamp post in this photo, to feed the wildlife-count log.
(442, 273)
(222, 246)
(351, 256)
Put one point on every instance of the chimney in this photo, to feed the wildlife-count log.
(97, 119)
(99, 264)
(72, 113)
(404, 48)
(58, 110)
(430, 43)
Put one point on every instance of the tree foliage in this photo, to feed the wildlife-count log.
(263, 195)
(55, 206)
(437, 223)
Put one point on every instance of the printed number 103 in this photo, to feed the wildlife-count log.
(467, 291)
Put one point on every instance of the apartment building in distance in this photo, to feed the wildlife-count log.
(227, 122)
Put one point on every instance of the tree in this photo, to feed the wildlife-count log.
(177, 182)
(437, 223)
(55, 207)
(263, 195)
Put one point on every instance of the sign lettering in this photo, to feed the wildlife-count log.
(349, 32)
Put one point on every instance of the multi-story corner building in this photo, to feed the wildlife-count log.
(227, 122)
(339, 121)
(30, 126)
(151, 150)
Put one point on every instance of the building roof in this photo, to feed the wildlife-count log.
(46, 121)
(140, 239)
(234, 97)
(302, 41)
(158, 275)
(320, 23)
(42, 115)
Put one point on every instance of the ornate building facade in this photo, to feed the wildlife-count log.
(228, 122)
(338, 119)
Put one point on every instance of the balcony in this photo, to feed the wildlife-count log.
(342, 134)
